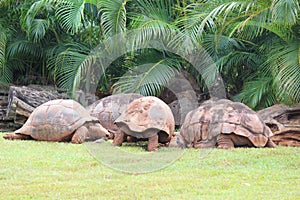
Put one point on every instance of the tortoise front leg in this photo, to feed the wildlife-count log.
(153, 143)
(119, 138)
(80, 135)
(270, 143)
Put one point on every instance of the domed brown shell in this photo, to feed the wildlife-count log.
(202, 125)
(147, 116)
(55, 120)
(108, 109)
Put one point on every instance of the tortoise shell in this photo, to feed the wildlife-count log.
(147, 116)
(204, 124)
(108, 109)
(55, 120)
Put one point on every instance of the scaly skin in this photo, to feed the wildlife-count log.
(16, 136)
(153, 143)
(119, 138)
(227, 141)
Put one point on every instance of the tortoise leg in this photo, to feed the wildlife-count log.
(224, 142)
(153, 143)
(17, 136)
(80, 135)
(131, 139)
(119, 138)
(198, 145)
(270, 143)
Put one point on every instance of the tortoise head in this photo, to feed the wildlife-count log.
(96, 131)
(177, 141)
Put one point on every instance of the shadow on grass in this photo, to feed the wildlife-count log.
(133, 160)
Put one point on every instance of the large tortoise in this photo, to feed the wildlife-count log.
(60, 121)
(108, 109)
(224, 124)
(149, 118)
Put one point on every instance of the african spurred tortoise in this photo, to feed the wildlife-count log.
(108, 109)
(146, 117)
(224, 124)
(60, 121)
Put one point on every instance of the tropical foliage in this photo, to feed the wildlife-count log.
(254, 44)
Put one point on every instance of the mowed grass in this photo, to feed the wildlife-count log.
(41, 170)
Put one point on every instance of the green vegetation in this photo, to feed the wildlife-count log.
(41, 170)
(255, 44)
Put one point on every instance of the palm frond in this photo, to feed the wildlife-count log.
(38, 29)
(5, 71)
(276, 17)
(4, 3)
(2, 48)
(68, 65)
(155, 20)
(30, 14)
(226, 10)
(147, 79)
(191, 22)
(238, 59)
(220, 44)
(254, 30)
(285, 12)
(258, 93)
(70, 15)
(288, 64)
(34, 23)
(113, 17)
(279, 77)
(161, 10)
(24, 48)
(94, 2)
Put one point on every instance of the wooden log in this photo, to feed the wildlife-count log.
(21, 107)
(25, 99)
(7, 126)
(33, 97)
(284, 121)
(17, 103)
(280, 116)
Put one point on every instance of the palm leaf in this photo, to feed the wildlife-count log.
(5, 71)
(4, 3)
(69, 64)
(226, 10)
(287, 61)
(155, 20)
(279, 78)
(285, 12)
(252, 20)
(2, 48)
(191, 22)
(147, 79)
(24, 48)
(113, 17)
(258, 93)
(70, 14)
(38, 29)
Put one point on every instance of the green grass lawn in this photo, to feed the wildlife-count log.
(41, 170)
